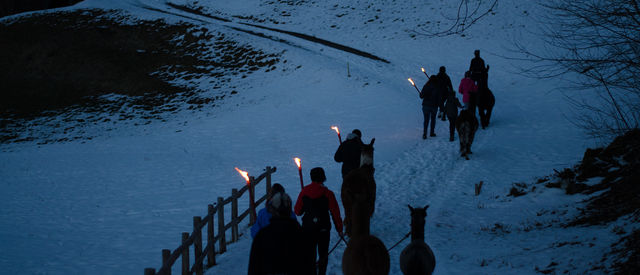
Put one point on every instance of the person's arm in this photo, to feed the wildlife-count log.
(261, 222)
(335, 211)
(339, 155)
(298, 207)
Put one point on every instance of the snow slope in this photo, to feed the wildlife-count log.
(110, 204)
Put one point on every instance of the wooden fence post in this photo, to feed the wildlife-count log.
(252, 202)
(185, 255)
(268, 185)
(221, 237)
(149, 271)
(197, 244)
(234, 215)
(211, 252)
(166, 253)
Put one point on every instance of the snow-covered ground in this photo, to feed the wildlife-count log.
(109, 205)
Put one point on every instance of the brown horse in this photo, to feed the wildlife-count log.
(417, 257)
(359, 181)
(365, 254)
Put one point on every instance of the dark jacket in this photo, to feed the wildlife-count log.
(314, 191)
(279, 248)
(452, 105)
(349, 154)
(477, 66)
(430, 95)
(444, 83)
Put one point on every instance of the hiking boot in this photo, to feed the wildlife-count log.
(424, 136)
(432, 135)
(450, 138)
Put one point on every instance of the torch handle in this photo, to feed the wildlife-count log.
(416, 88)
(425, 73)
(339, 139)
(300, 174)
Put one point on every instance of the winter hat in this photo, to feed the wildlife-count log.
(277, 188)
(357, 132)
(281, 204)
(317, 175)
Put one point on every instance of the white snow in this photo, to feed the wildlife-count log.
(109, 205)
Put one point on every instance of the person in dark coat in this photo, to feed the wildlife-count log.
(315, 202)
(479, 73)
(279, 248)
(349, 152)
(265, 214)
(431, 101)
(451, 108)
(444, 82)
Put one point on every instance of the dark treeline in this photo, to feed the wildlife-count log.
(9, 7)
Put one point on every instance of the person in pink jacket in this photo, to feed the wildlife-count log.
(468, 89)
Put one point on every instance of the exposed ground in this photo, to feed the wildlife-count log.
(66, 62)
(615, 169)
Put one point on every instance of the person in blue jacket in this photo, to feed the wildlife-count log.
(265, 214)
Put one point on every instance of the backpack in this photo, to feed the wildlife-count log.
(316, 214)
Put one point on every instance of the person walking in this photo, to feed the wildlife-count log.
(451, 108)
(431, 101)
(265, 214)
(279, 247)
(479, 73)
(444, 83)
(315, 202)
(468, 89)
(349, 152)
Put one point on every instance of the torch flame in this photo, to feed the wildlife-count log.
(422, 70)
(336, 129)
(244, 174)
(298, 161)
(412, 82)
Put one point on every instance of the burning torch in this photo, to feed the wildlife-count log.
(425, 73)
(252, 203)
(414, 85)
(299, 163)
(337, 131)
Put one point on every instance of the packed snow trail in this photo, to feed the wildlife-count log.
(127, 194)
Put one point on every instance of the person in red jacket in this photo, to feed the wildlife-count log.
(315, 201)
(468, 89)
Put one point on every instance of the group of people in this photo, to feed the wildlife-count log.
(280, 244)
(438, 93)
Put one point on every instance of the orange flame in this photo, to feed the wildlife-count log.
(244, 174)
(336, 129)
(298, 162)
(412, 82)
(422, 70)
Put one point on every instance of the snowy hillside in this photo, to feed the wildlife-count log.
(110, 204)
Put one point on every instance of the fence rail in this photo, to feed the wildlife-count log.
(194, 239)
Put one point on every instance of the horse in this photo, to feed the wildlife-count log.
(359, 181)
(417, 257)
(365, 254)
(486, 100)
(467, 125)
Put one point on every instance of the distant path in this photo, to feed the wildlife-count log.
(295, 34)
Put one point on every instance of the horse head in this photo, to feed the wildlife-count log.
(366, 154)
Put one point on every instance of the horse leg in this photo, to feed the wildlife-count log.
(347, 203)
(482, 116)
(488, 116)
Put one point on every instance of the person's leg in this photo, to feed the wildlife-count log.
(425, 124)
(312, 244)
(433, 111)
(452, 128)
(323, 251)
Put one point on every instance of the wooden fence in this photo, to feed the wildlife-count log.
(195, 238)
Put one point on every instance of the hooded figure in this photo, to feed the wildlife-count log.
(279, 248)
(349, 152)
(265, 214)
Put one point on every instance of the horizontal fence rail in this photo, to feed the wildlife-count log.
(169, 258)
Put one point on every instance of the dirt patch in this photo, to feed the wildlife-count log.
(65, 62)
